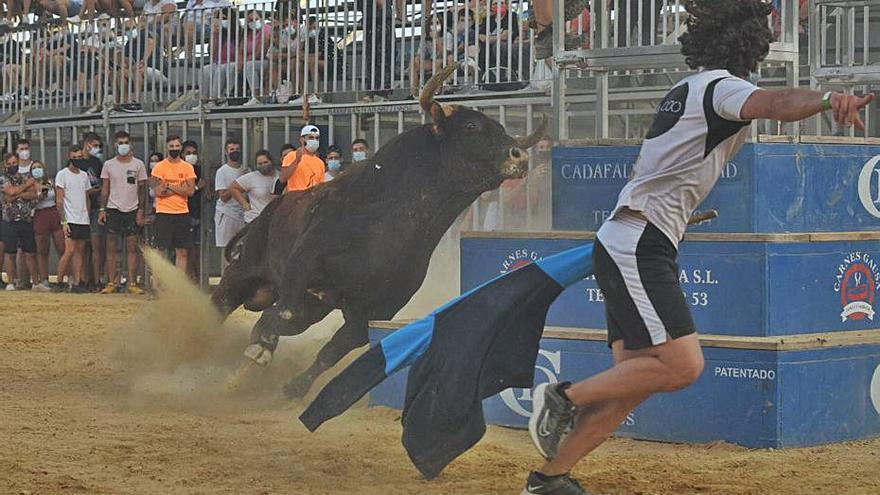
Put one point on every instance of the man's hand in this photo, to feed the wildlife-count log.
(66, 229)
(102, 217)
(139, 218)
(846, 109)
(299, 153)
(246, 205)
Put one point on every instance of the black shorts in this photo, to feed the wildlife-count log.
(19, 235)
(173, 231)
(635, 266)
(79, 232)
(122, 223)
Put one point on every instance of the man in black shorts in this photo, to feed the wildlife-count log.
(72, 187)
(122, 210)
(19, 199)
(174, 181)
(699, 126)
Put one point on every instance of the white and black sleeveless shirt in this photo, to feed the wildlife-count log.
(696, 131)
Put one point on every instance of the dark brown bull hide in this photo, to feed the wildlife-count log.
(362, 242)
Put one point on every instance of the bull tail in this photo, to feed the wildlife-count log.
(233, 248)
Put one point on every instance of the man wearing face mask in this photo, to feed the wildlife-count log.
(23, 151)
(19, 198)
(174, 181)
(92, 164)
(304, 169)
(360, 150)
(228, 214)
(254, 190)
(334, 163)
(122, 209)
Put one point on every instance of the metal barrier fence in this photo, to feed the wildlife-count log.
(265, 53)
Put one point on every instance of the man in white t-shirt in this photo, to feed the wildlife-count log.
(228, 214)
(72, 185)
(254, 190)
(699, 126)
(122, 209)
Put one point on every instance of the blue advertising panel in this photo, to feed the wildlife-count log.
(733, 288)
(753, 398)
(768, 188)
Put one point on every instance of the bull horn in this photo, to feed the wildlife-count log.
(426, 99)
(532, 139)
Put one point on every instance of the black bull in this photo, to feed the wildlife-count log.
(362, 243)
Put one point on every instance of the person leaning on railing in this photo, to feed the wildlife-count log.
(218, 76)
(252, 53)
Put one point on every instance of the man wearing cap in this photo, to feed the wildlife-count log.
(304, 169)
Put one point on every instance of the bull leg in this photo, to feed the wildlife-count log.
(265, 334)
(350, 336)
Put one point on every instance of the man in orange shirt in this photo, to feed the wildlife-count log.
(174, 181)
(304, 169)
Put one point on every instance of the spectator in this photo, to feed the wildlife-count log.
(19, 197)
(304, 169)
(10, 65)
(360, 150)
(319, 51)
(66, 9)
(254, 190)
(219, 76)
(198, 24)
(285, 149)
(252, 57)
(150, 202)
(122, 210)
(161, 18)
(47, 223)
(437, 44)
(377, 23)
(23, 152)
(191, 156)
(284, 53)
(174, 181)
(72, 187)
(228, 215)
(334, 163)
(494, 37)
(93, 164)
(141, 64)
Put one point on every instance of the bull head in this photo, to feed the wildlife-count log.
(514, 163)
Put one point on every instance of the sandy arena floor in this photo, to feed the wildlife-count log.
(117, 395)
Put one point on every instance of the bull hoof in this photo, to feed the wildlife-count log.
(286, 314)
(258, 354)
(298, 387)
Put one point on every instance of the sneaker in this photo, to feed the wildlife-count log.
(134, 289)
(314, 99)
(79, 289)
(367, 99)
(110, 288)
(252, 102)
(553, 485)
(131, 108)
(552, 416)
(10, 287)
(42, 287)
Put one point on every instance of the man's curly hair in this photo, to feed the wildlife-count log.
(726, 34)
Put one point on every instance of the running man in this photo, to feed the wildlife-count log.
(699, 126)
